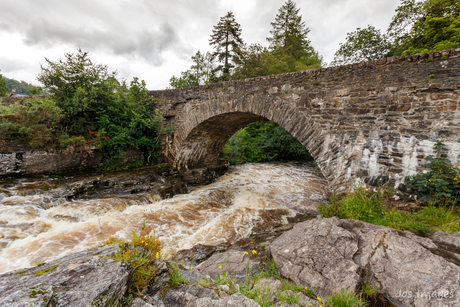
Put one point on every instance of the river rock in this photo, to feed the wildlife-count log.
(195, 295)
(81, 279)
(330, 254)
(234, 262)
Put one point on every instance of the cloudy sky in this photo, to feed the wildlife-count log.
(154, 39)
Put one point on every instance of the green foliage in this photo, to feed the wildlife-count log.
(226, 39)
(417, 27)
(290, 32)
(175, 276)
(35, 121)
(439, 185)
(201, 72)
(254, 61)
(21, 87)
(88, 107)
(367, 205)
(3, 86)
(362, 45)
(142, 253)
(263, 141)
(345, 298)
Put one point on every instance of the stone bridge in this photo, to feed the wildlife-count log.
(360, 122)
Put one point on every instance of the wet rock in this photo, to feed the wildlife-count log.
(234, 262)
(331, 254)
(79, 279)
(194, 296)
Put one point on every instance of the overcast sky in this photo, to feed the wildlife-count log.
(155, 39)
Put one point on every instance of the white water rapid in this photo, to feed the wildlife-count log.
(38, 228)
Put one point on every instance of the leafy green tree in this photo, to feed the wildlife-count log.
(290, 32)
(256, 60)
(187, 79)
(3, 87)
(422, 26)
(201, 72)
(75, 82)
(96, 107)
(362, 45)
(226, 39)
(416, 27)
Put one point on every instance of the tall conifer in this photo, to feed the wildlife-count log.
(226, 39)
(289, 31)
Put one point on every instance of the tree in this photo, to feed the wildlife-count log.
(256, 60)
(416, 27)
(362, 45)
(226, 39)
(75, 81)
(423, 26)
(289, 32)
(3, 87)
(201, 72)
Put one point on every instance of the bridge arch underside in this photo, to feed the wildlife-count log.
(203, 131)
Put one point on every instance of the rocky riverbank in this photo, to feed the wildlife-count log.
(324, 255)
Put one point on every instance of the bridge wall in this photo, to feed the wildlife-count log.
(361, 122)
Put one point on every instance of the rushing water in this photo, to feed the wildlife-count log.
(40, 228)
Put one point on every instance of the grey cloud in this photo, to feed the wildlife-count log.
(143, 30)
(146, 44)
(8, 65)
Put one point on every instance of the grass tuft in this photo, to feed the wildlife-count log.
(345, 298)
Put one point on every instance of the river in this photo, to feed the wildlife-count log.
(38, 228)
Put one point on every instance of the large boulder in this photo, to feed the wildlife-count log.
(85, 278)
(330, 254)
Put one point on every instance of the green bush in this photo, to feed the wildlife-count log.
(35, 121)
(439, 185)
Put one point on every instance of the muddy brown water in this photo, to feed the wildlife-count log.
(38, 228)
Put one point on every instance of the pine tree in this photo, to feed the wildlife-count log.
(289, 31)
(227, 42)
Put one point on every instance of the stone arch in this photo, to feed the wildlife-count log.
(203, 129)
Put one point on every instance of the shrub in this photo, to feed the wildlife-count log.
(35, 121)
(439, 185)
(142, 253)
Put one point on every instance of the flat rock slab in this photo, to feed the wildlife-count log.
(80, 279)
(234, 262)
(198, 296)
(330, 254)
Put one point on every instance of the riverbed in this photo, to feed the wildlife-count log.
(38, 227)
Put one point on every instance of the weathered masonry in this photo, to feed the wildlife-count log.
(360, 122)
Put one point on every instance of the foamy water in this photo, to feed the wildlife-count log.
(39, 228)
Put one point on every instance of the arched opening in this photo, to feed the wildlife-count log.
(263, 141)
